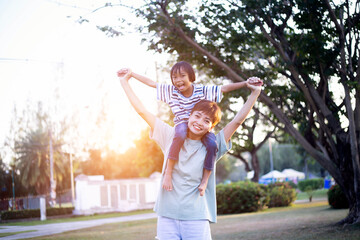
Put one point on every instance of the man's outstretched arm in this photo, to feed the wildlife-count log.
(135, 101)
(240, 117)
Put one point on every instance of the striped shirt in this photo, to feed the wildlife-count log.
(180, 105)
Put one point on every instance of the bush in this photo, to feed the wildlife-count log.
(310, 185)
(313, 184)
(337, 198)
(34, 213)
(240, 197)
(280, 194)
(293, 185)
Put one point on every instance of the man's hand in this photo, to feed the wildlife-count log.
(124, 74)
(254, 81)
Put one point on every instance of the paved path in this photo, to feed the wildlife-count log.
(54, 228)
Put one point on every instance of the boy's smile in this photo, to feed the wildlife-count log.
(182, 82)
(199, 124)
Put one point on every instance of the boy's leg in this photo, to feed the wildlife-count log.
(209, 140)
(167, 181)
(204, 181)
(178, 141)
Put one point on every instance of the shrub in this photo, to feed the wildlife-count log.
(280, 194)
(240, 197)
(34, 213)
(310, 185)
(293, 185)
(337, 198)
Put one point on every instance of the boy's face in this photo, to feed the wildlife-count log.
(181, 81)
(199, 124)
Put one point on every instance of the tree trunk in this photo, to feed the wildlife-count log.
(256, 166)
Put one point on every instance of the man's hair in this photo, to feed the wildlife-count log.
(185, 66)
(209, 108)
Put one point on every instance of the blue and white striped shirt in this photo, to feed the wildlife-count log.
(180, 105)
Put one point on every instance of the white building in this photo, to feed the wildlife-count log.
(96, 195)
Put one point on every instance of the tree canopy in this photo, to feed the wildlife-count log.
(307, 54)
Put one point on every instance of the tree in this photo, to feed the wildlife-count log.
(149, 157)
(304, 50)
(31, 149)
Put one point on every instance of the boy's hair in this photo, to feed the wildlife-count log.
(209, 108)
(185, 66)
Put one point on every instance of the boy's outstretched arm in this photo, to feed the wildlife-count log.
(233, 86)
(143, 79)
(135, 101)
(239, 118)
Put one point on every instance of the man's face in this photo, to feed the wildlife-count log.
(199, 124)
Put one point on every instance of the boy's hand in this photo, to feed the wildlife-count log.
(254, 81)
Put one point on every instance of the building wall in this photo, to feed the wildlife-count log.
(95, 195)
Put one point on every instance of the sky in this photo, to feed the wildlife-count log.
(47, 55)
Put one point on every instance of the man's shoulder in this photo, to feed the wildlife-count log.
(161, 126)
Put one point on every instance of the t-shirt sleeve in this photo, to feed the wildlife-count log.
(162, 134)
(213, 93)
(223, 146)
(163, 92)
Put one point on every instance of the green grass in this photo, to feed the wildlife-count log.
(76, 218)
(320, 193)
(13, 233)
(300, 222)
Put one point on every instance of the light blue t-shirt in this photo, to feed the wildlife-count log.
(184, 201)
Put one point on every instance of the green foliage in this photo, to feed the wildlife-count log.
(280, 194)
(34, 213)
(31, 149)
(240, 197)
(337, 198)
(140, 161)
(311, 184)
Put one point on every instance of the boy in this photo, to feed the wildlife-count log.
(182, 214)
(182, 96)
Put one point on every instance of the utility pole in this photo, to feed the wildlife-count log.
(271, 161)
(52, 182)
(72, 180)
(13, 187)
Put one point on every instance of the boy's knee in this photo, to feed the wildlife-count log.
(181, 135)
(211, 145)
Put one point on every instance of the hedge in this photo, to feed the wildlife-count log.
(337, 198)
(240, 197)
(281, 194)
(34, 213)
(311, 184)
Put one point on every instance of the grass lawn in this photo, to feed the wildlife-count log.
(13, 233)
(301, 221)
(75, 218)
(320, 193)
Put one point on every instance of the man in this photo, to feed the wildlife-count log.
(182, 212)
